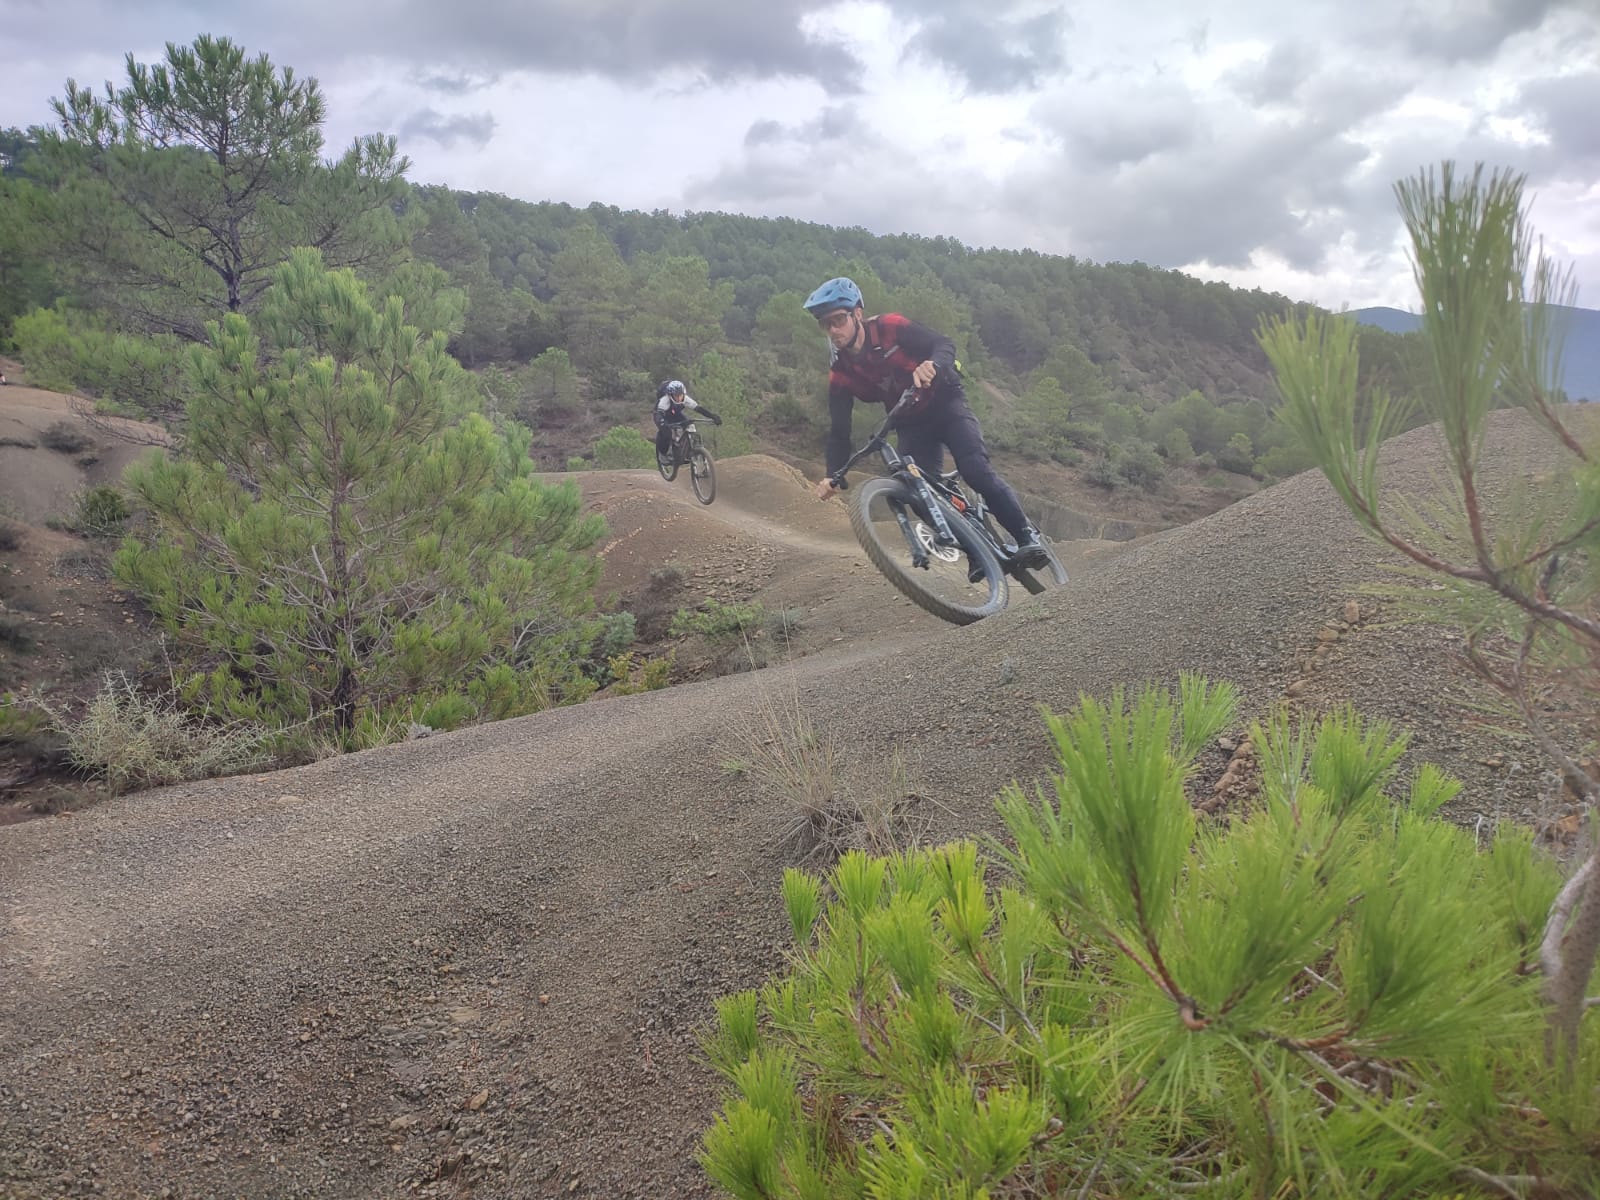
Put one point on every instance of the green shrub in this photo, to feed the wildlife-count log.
(100, 511)
(19, 721)
(1284, 461)
(617, 632)
(1176, 447)
(1238, 455)
(1103, 472)
(652, 675)
(787, 411)
(1141, 464)
(624, 448)
(66, 438)
(418, 560)
(1065, 453)
(133, 739)
(714, 618)
(1328, 996)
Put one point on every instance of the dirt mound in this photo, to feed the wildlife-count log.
(61, 619)
(766, 538)
(476, 963)
(50, 450)
(760, 502)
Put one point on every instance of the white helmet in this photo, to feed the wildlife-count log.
(675, 388)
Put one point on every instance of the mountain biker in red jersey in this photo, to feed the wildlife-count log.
(875, 359)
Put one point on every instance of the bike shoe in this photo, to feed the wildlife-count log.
(1030, 551)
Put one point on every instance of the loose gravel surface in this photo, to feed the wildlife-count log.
(476, 964)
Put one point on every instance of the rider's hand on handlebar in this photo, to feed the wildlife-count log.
(923, 373)
(825, 489)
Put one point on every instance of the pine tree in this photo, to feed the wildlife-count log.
(591, 285)
(345, 541)
(679, 313)
(1327, 995)
(183, 191)
(723, 387)
(1520, 581)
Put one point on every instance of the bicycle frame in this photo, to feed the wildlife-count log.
(907, 470)
(685, 441)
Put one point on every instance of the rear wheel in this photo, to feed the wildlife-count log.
(702, 477)
(668, 466)
(1035, 579)
(961, 583)
(1042, 579)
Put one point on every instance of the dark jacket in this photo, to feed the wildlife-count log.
(893, 348)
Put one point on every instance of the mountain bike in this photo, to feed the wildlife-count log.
(688, 450)
(935, 540)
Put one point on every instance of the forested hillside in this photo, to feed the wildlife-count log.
(313, 333)
(1096, 354)
(569, 315)
(1577, 328)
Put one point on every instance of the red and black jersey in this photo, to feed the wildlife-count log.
(893, 347)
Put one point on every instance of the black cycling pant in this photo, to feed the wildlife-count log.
(950, 422)
(664, 437)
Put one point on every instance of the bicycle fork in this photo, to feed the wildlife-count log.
(919, 553)
(943, 535)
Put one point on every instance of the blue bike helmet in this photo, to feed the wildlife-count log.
(836, 294)
(675, 388)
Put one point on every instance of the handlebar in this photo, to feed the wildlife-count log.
(837, 478)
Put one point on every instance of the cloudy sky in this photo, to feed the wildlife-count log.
(1253, 141)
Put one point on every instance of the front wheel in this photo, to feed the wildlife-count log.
(961, 583)
(702, 477)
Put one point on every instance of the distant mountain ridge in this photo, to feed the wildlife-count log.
(1580, 357)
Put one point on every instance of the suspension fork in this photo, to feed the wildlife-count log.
(931, 503)
(919, 552)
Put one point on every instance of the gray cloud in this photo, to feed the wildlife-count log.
(835, 123)
(1276, 187)
(1126, 165)
(798, 170)
(720, 40)
(1456, 31)
(763, 131)
(454, 83)
(998, 53)
(1355, 93)
(1128, 126)
(1127, 155)
(474, 128)
(1277, 79)
(1567, 109)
